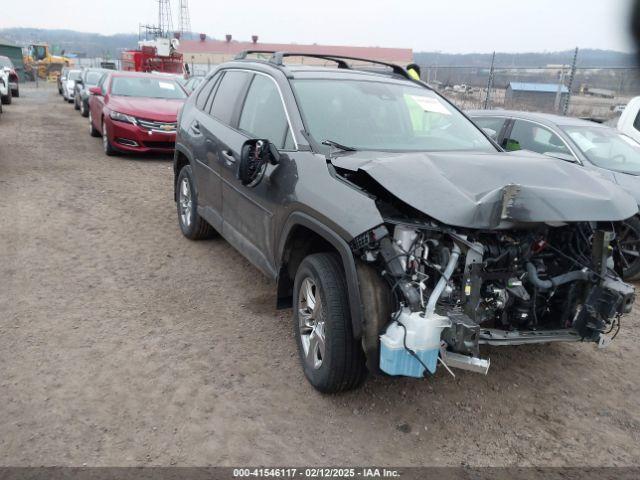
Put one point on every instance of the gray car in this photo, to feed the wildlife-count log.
(399, 233)
(89, 78)
(596, 147)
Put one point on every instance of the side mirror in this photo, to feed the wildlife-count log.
(491, 133)
(95, 91)
(254, 157)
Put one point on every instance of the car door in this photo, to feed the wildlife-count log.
(96, 105)
(197, 135)
(248, 213)
(532, 136)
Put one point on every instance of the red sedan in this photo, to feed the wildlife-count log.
(135, 112)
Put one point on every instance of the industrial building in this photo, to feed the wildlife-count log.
(538, 96)
(206, 51)
(14, 52)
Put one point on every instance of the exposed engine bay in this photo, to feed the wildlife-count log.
(454, 289)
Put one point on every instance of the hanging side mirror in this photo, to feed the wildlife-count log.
(254, 158)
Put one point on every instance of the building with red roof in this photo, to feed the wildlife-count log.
(209, 51)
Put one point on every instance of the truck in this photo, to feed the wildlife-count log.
(38, 61)
(158, 55)
(629, 121)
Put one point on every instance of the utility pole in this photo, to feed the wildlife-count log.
(556, 104)
(487, 99)
(165, 22)
(184, 24)
(565, 108)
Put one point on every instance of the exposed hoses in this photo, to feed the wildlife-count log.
(532, 277)
(444, 280)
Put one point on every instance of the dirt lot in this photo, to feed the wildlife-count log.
(123, 343)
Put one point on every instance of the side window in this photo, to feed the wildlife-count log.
(491, 125)
(636, 122)
(102, 85)
(228, 94)
(205, 91)
(530, 136)
(263, 114)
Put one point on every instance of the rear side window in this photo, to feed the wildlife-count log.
(263, 114)
(228, 94)
(205, 91)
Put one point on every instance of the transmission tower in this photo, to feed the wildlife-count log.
(165, 22)
(184, 27)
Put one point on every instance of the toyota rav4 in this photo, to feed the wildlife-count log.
(401, 235)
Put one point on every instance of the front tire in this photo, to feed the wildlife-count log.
(93, 131)
(84, 108)
(76, 104)
(332, 360)
(6, 99)
(192, 225)
(628, 232)
(106, 144)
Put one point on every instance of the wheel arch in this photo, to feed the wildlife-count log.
(303, 235)
(181, 158)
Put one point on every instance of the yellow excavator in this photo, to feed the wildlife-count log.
(39, 61)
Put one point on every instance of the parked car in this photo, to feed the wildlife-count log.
(5, 88)
(598, 148)
(90, 78)
(192, 83)
(14, 81)
(62, 77)
(69, 85)
(629, 120)
(135, 112)
(390, 222)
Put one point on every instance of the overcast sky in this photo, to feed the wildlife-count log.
(425, 25)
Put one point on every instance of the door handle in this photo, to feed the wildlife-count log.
(195, 127)
(228, 156)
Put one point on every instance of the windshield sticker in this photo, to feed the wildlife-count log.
(167, 86)
(430, 104)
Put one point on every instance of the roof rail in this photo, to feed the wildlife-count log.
(242, 55)
(278, 59)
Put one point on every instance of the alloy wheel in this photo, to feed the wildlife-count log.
(311, 323)
(185, 202)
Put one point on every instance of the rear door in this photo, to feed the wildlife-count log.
(248, 213)
(207, 179)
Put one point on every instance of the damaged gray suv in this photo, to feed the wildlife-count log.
(401, 235)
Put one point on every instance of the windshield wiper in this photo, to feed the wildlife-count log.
(331, 143)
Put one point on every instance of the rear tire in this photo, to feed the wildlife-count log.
(332, 360)
(192, 225)
(16, 92)
(76, 105)
(84, 108)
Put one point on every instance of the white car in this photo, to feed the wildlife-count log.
(5, 89)
(69, 85)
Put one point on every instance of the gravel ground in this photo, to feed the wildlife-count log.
(122, 343)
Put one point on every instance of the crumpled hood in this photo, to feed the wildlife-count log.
(631, 183)
(493, 190)
(160, 109)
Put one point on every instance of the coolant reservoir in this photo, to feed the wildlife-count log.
(422, 336)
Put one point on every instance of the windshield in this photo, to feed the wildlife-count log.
(368, 115)
(92, 78)
(147, 87)
(607, 148)
(5, 62)
(74, 75)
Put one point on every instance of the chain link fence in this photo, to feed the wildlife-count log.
(597, 93)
